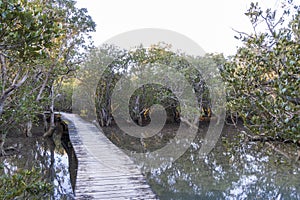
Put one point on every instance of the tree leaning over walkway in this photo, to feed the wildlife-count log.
(40, 45)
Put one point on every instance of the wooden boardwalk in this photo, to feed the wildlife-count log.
(104, 171)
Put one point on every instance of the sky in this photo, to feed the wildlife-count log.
(209, 23)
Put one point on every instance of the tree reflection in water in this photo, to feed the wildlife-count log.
(54, 157)
(235, 169)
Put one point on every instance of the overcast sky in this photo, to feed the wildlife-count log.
(209, 23)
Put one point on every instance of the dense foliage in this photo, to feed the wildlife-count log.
(40, 45)
(155, 73)
(25, 184)
(263, 78)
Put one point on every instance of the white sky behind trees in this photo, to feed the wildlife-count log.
(208, 22)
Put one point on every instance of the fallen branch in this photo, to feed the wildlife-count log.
(50, 132)
(267, 140)
(192, 125)
(278, 150)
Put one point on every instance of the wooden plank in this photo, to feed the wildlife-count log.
(104, 171)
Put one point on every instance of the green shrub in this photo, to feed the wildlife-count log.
(25, 184)
(263, 78)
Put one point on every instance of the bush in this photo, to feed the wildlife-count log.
(263, 78)
(25, 184)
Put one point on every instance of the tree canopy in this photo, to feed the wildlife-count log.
(41, 43)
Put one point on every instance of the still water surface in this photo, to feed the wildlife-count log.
(55, 159)
(235, 169)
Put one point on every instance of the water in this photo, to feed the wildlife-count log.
(235, 169)
(55, 158)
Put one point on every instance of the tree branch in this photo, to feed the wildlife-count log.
(3, 72)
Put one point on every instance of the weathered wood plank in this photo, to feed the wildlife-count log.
(104, 171)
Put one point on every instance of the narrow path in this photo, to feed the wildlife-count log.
(104, 171)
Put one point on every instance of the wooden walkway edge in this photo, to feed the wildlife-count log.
(104, 171)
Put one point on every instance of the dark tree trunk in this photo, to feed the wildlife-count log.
(27, 129)
(2, 141)
(52, 127)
